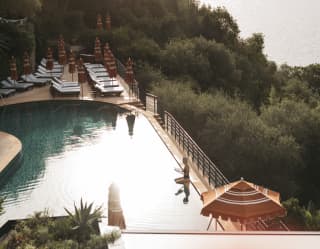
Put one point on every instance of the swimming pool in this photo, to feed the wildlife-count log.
(74, 149)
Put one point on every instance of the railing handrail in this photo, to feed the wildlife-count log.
(211, 164)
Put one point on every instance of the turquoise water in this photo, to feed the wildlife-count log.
(291, 27)
(74, 150)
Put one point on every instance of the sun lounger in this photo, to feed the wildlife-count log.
(57, 88)
(45, 73)
(105, 81)
(94, 76)
(54, 70)
(109, 90)
(19, 86)
(6, 92)
(89, 65)
(97, 70)
(30, 78)
(56, 65)
(65, 83)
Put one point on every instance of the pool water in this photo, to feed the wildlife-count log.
(73, 150)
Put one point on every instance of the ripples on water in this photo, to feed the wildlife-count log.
(291, 27)
(73, 151)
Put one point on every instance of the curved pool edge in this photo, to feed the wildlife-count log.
(10, 149)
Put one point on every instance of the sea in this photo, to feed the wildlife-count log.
(291, 28)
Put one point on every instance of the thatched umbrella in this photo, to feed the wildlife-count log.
(97, 51)
(107, 57)
(115, 214)
(13, 69)
(61, 51)
(243, 202)
(72, 64)
(26, 64)
(81, 72)
(99, 22)
(130, 75)
(112, 68)
(108, 22)
(49, 63)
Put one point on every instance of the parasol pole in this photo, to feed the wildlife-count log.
(210, 223)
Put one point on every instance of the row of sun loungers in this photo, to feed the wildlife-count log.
(12, 84)
(99, 79)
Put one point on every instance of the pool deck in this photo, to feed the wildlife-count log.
(10, 147)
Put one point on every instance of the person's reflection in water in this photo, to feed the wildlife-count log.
(186, 189)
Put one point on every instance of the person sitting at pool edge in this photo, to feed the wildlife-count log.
(186, 183)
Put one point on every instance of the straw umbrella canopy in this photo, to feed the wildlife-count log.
(115, 214)
(99, 22)
(72, 64)
(112, 68)
(112, 65)
(81, 72)
(13, 69)
(108, 22)
(61, 51)
(26, 64)
(243, 202)
(49, 63)
(106, 57)
(97, 51)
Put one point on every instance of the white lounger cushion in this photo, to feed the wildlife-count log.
(54, 70)
(109, 89)
(63, 89)
(65, 83)
(33, 79)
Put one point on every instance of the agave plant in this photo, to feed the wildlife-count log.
(83, 220)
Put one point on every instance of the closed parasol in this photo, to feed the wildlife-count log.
(108, 22)
(49, 63)
(99, 22)
(129, 75)
(72, 64)
(61, 51)
(81, 72)
(97, 51)
(13, 69)
(26, 64)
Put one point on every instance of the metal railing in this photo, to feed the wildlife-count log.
(186, 143)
